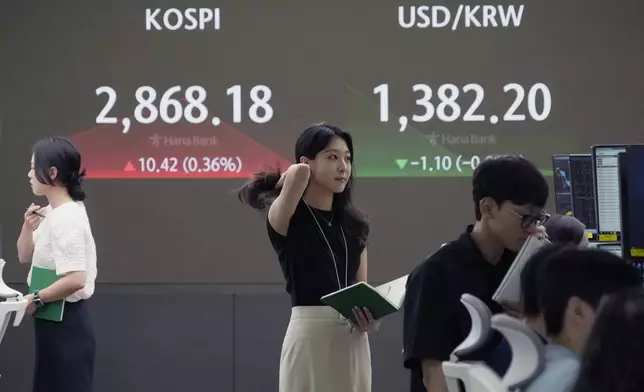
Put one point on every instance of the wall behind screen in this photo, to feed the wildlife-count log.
(195, 230)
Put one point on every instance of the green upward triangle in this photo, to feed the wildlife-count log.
(401, 163)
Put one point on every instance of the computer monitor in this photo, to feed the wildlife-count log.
(632, 202)
(583, 191)
(563, 185)
(615, 248)
(607, 193)
(574, 190)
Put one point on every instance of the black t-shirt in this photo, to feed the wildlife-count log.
(305, 258)
(435, 320)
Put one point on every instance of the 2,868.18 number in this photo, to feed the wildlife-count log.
(171, 109)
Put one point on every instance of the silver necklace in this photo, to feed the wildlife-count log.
(346, 253)
(328, 221)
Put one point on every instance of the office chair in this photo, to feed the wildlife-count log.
(472, 376)
(527, 351)
(480, 331)
(13, 302)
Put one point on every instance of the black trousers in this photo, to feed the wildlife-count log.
(65, 351)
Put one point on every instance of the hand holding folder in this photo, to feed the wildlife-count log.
(380, 301)
(42, 278)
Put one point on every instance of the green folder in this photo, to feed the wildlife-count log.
(42, 278)
(380, 301)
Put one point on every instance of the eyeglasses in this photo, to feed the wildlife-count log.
(529, 219)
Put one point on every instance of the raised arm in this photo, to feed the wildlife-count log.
(25, 242)
(293, 183)
(25, 245)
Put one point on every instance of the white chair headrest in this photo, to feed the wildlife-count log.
(6, 291)
(481, 326)
(527, 351)
(7, 308)
(15, 303)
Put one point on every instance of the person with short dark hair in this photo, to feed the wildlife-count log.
(614, 356)
(571, 284)
(59, 237)
(565, 229)
(509, 195)
(320, 239)
(530, 306)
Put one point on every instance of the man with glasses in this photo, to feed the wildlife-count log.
(509, 195)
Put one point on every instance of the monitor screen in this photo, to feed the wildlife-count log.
(607, 194)
(583, 191)
(563, 186)
(639, 264)
(615, 248)
(633, 202)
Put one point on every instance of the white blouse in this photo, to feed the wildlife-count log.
(64, 242)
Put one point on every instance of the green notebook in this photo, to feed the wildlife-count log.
(42, 278)
(381, 301)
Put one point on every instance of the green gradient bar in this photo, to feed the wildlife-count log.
(379, 144)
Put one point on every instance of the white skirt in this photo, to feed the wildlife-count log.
(320, 353)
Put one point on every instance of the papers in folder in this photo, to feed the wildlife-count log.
(381, 300)
(509, 291)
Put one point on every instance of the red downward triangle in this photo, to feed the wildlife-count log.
(129, 167)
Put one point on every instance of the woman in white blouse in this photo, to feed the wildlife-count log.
(59, 237)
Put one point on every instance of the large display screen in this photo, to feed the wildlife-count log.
(634, 247)
(583, 191)
(562, 184)
(174, 104)
(606, 162)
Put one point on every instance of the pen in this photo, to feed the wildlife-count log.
(38, 213)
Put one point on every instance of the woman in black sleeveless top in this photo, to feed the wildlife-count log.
(320, 240)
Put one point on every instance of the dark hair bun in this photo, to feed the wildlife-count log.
(75, 185)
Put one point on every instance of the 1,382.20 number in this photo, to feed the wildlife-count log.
(449, 110)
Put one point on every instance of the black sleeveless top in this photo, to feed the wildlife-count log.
(305, 257)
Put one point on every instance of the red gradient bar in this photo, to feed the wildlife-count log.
(172, 151)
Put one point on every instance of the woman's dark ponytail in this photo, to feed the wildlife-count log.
(75, 186)
(259, 191)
